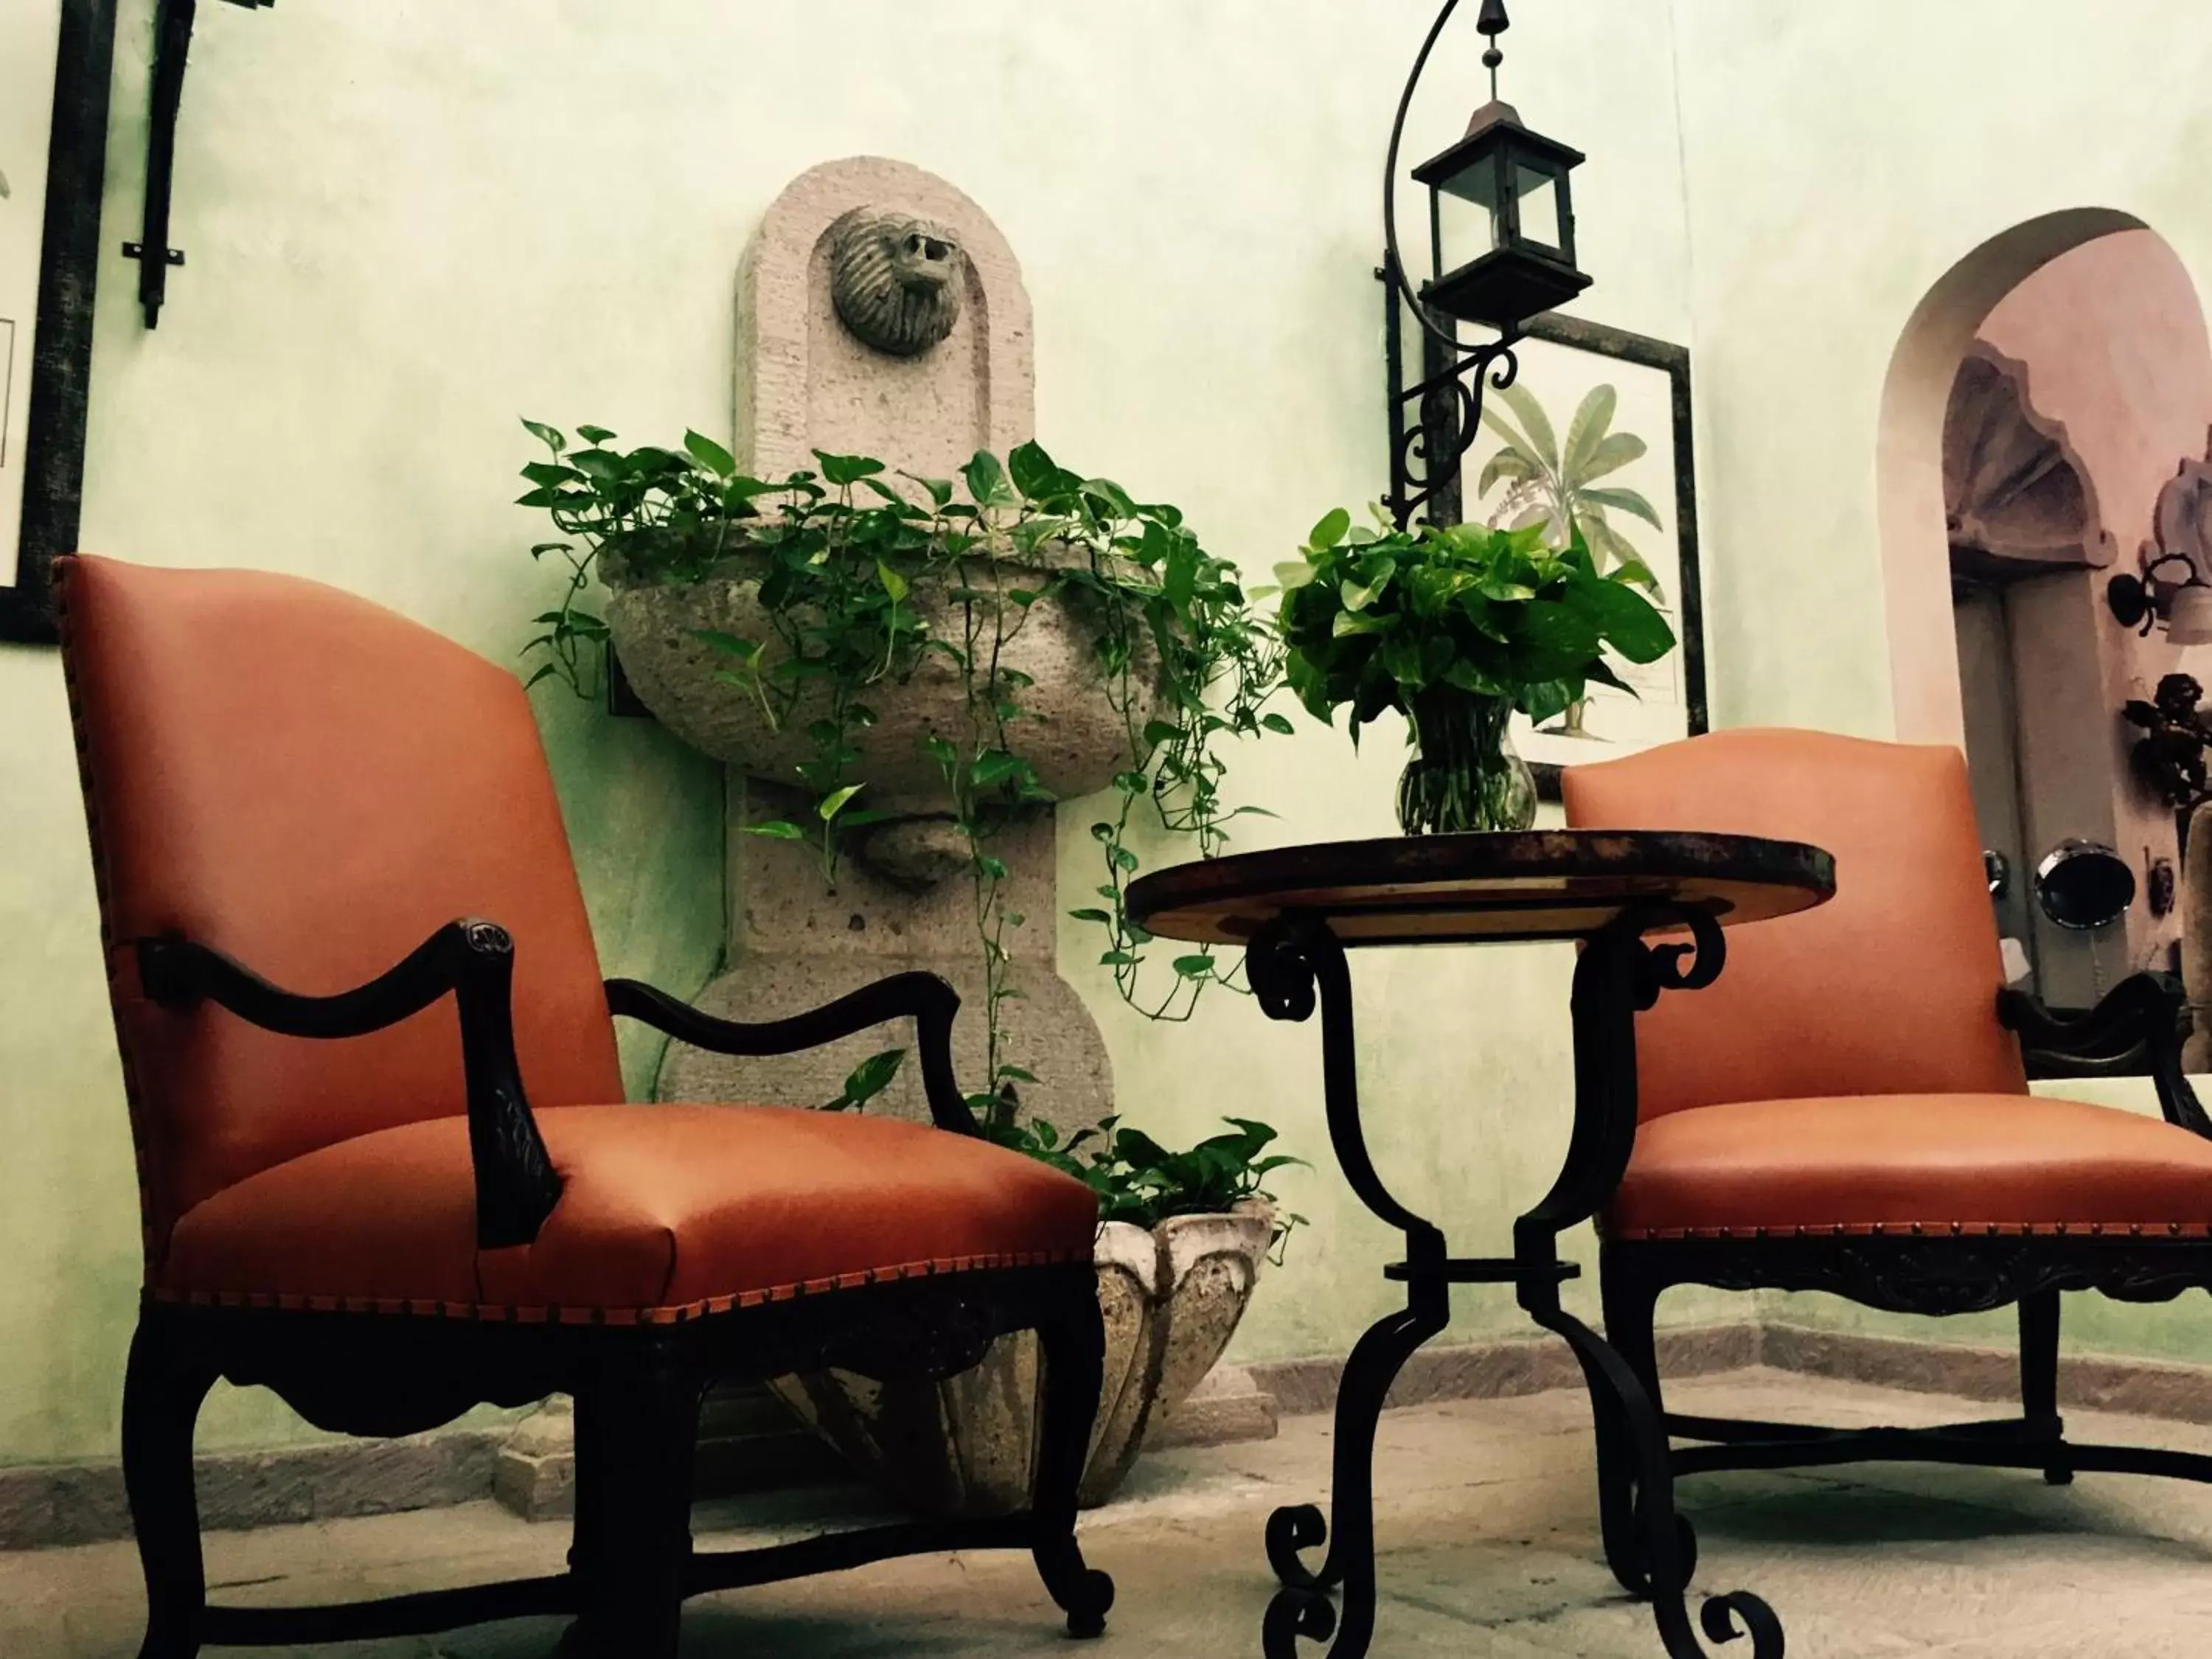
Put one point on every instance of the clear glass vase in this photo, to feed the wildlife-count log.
(1465, 774)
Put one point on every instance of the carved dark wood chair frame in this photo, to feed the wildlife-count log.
(2139, 1023)
(637, 1389)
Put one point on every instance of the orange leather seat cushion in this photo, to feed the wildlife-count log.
(1975, 1162)
(667, 1212)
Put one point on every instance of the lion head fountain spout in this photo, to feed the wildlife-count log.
(895, 280)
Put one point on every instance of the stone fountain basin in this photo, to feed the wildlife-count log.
(965, 1445)
(1069, 729)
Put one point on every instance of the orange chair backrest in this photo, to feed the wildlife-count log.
(313, 785)
(1890, 987)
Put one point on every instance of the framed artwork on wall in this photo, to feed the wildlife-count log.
(1596, 429)
(56, 57)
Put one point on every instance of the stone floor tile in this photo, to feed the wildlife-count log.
(1488, 1524)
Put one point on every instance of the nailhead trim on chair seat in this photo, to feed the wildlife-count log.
(680, 1314)
(1925, 1229)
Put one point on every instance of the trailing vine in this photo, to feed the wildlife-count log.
(864, 576)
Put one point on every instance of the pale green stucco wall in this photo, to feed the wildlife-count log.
(407, 224)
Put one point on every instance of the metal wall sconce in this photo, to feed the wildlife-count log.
(1519, 179)
(2144, 602)
(172, 42)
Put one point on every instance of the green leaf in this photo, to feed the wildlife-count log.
(894, 584)
(710, 454)
(1548, 699)
(940, 491)
(1610, 456)
(777, 829)
(834, 802)
(593, 434)
(1180, 580)
(1630, 623)
(1348, 622)
(1634, 570)
(1193, 966)
(550, 436)
(1508, 465)
(1592, 416)
(1091, 914)
(728, 644)
(1541, 444)
(844, 470)
(1277, 723)
(1292, 576)
(1330, 531)
(1602, 671)
(1034, 472)
(986, 480)
(868, 1079)
(1622, 501)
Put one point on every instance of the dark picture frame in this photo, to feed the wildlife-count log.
(1603, 340)
(61, 341)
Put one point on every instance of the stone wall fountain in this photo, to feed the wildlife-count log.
(879, 311)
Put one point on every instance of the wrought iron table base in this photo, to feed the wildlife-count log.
(1296, 962)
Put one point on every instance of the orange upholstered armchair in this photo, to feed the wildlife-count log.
(1846, 1109)
(405, 1183)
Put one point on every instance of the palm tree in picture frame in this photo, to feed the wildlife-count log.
(1557, 486)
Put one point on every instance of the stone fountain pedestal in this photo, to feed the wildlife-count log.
(808, 380)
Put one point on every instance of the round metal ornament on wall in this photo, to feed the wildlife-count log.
(2083, 886)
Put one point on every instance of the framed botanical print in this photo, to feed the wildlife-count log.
(1595, 434)
(56, 57)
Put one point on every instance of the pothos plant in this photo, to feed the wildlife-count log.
(864, 575)
(1454, 626)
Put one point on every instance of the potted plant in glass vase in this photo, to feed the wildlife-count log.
(1457, 626)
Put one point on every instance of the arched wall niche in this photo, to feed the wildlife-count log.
(2092, 319)
(1916, 546)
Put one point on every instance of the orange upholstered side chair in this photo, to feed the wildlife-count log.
(405, 1183)
(1846, 1109)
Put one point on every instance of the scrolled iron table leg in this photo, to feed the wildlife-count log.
(1652, 1549)
(1296, 964)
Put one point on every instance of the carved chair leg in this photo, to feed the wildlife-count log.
(2038, 1379)
(162, 1391)
(1071, 1345)
(637, 1428)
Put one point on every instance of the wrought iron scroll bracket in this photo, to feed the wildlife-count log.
(172, 42)
(1435, 422)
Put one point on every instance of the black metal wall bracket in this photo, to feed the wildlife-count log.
(173, 41)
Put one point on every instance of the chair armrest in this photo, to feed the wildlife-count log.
(2143, 1011)
(515, 1182)
(928, 1000)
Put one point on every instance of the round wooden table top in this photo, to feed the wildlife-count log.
(1508, 885)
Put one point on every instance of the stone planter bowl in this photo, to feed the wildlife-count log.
(965, 1445)
(1070, 730)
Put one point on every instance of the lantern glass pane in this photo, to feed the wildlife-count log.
(1539, 192)
(1467, 230)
